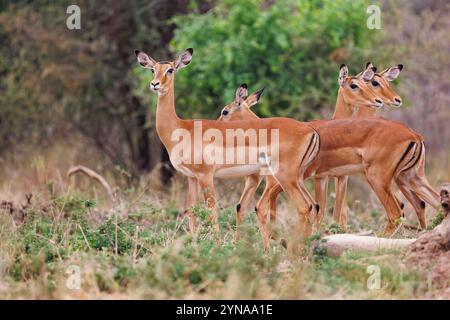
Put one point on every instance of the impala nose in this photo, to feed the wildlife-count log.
(154, 85)
(225, 112)
(398, 102)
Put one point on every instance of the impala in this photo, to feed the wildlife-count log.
(380, 84)
(286, 151)
(380, 148)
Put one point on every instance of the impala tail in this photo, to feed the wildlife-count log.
(312, 150)
(411, 157)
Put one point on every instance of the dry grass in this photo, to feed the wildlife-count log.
(70, 223)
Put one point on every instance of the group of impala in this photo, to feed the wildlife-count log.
(354, 141)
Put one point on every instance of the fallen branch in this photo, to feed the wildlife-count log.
(338, 243)
(94, 175)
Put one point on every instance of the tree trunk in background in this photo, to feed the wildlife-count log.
(164, 11)
(118, 23)
(81, 80)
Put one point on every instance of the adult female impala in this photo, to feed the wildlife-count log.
(380, 84)
(289, 144)
(380, 148)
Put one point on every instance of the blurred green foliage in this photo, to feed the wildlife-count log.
(293, 47)
(56, 82)
(85, 87)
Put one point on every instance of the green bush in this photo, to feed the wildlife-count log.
(294, 48)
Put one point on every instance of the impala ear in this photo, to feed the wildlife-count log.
(343, 74)
(184, 59)
(253, 99)
(369, 65)
(390, 74)
(144, 59)
(368, 73)
(241, 93)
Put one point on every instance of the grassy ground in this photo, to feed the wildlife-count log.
(73, 245)
(141, 249)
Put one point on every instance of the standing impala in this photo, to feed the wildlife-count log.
(380, 85)
(384, 150)
(284, 147)
(378, 82)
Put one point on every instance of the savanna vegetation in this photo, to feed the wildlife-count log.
(70, 97)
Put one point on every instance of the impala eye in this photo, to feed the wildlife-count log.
(170, 71)
(375, 83)
(152, 70)
(353, 86)
(224, 112)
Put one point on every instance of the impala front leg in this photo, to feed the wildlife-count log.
(207, 186)
(340, 207)
(192, 199)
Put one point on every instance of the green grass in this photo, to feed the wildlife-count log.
(142, 250)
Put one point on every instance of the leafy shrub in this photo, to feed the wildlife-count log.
(292, 47)
(436, 220)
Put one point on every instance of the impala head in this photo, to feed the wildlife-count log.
(380, 84)
(239, 109)
(355, 91)
(163, 71)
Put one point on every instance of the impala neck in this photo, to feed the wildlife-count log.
(366, 112)
(347, 110)
(166, 117)
(342, 108)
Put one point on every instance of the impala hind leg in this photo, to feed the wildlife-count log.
(313, 206)
(303, 228)
(206, 183)
(271, 183)
(381, 184)
(251, 184)
(340, 207)
(424, 190)
(417, 203)
(275, 190)
(192, 199)
(261, 209)
(302, 204)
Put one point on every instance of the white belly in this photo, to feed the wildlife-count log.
(238, 171)
(346, 170)
(183, 170)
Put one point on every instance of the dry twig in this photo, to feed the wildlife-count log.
(94, 175)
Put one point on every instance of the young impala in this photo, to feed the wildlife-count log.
(380, 148)
(284, 147)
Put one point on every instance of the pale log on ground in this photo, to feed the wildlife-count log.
(337, 244)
